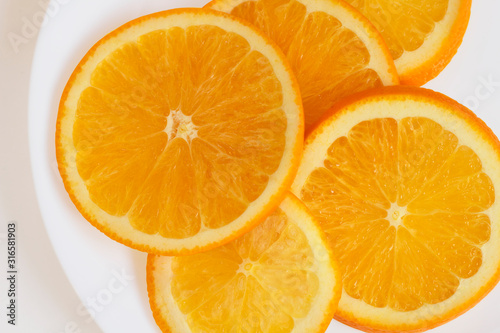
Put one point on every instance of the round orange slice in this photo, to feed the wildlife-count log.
(423, 35)
(179, 131)
(279, 277)
(405, 181)
(333, 50)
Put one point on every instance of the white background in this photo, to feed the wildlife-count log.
(46, 300)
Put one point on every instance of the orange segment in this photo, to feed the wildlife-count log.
(422, 36)
(301, 288)
(115, 192)
(221, 199)
(325, 187)
(127, 74)
(253, 317)
(419, 277)
(372, 145)
(326, 73)
(403, 181)
(167, 203)
(254, 244)
(102, 118)
(228, 298)
(464, 182)
(455, 239)
(215, 271)
(363, 241)
(404, 32)
(280, 20)
(179, 131)
(256, 140)
(333, 50)
(279, 277)
(417, 164)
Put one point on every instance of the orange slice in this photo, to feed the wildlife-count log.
(333, 50)
(179, 131)
(280, 277)
(423, 35)
(404, 181)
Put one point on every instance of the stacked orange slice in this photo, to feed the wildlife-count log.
(179, 131)
(280, 277)
(423, 36)
(404, 181)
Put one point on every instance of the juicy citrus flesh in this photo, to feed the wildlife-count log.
(403, 35)
(404, 185)
(279, 277)
(177, 125)
(187, 133)
(332, 50)
(416, 31)
(438, 191)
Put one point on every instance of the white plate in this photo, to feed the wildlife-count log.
(92, 261)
